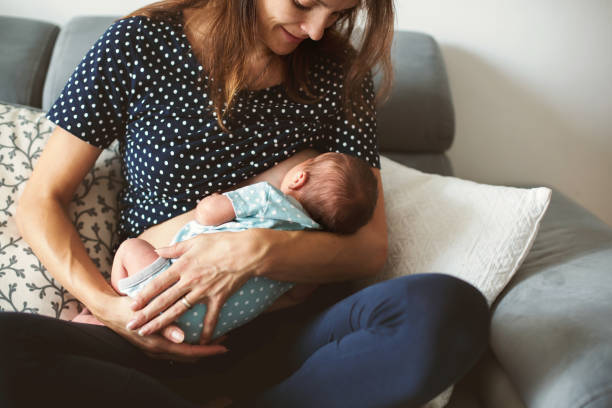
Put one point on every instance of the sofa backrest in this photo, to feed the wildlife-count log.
(73, 42)
(25, 50)
(417, 118)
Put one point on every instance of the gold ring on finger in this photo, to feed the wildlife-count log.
(186, 302)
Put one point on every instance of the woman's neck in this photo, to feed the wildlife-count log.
(265, 69)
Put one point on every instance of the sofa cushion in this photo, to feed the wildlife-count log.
(25, 285)
(552, 327)
(419, 115)
(25, 47)
(76, 38)
(479, 233)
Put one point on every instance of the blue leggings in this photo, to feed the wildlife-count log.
(395, 344)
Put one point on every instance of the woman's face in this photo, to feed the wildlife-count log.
(283, 24)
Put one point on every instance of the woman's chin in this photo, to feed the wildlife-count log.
(283, 49)
(282, 42)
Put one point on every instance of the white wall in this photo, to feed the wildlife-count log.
(531, 83)
(532, 88)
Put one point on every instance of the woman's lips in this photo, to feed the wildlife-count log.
(290, 37)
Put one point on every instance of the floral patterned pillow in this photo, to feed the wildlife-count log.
(25, 285)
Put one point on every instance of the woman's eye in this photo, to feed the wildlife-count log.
(299, 5)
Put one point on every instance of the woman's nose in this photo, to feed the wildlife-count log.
(315, 25)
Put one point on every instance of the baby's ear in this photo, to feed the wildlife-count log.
(299, 180)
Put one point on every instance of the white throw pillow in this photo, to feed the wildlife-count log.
(477, 232)
(25, 285)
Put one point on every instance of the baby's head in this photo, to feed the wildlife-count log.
(337, 190)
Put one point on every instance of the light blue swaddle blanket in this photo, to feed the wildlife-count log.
(259, 205)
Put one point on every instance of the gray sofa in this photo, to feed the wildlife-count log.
(551, 333)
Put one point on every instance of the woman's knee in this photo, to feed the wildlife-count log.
(437, 299)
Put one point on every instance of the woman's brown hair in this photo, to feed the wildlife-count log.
(230, 34)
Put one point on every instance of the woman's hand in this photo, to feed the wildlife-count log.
(118, 312)
(209, 269)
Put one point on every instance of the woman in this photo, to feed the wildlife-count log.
(203, 96)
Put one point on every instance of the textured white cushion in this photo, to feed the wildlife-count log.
(477, 232)
(25, 285)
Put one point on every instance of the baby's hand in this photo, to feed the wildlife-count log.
(215, 209)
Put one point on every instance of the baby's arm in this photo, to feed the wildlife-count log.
(215, 209)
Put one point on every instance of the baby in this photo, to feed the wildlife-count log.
(333, 191)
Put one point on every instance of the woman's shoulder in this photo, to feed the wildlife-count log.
(131, 37)
(127, 25)
(139, 27)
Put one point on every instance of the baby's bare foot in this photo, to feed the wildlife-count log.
(86, 317)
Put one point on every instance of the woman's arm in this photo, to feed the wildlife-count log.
(43, 222)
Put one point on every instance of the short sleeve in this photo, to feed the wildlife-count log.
(358, 136)
(249, 201)
(94, 103)
(286, 208)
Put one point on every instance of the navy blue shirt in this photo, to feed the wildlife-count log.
(141, 84)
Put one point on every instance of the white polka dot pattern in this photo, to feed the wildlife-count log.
(255, 296)
(140, 83)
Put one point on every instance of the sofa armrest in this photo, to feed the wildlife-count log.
(551, 328)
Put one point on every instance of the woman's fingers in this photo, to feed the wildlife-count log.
(154, 344)
(173, 333)
(157, 316)
(173, 251)
(210, 320)
(164, 306)
(164, 279)
(219, 340)
(210, 282)
(159, 347)
(158, 285)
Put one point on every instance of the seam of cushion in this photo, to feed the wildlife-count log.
(606, 391)
(61, 41)
(38, 64)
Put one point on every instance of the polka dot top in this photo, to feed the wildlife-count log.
(141, 84)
